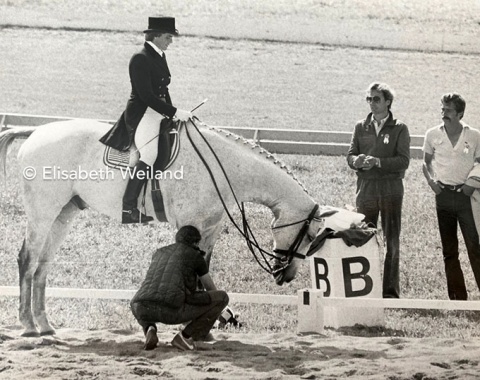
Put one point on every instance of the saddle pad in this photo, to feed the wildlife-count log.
(115, 158)
(169, 146)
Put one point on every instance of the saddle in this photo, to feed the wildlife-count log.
(168, 148)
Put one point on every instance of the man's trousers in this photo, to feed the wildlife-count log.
(200, 317)
(453, 209)
(384, 198)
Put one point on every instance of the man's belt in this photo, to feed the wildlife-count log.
(451, 187)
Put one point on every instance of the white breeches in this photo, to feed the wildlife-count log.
(146, 136)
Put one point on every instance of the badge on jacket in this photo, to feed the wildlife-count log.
(467, 148)
(386, 139)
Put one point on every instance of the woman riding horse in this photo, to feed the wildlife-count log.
(148, 106)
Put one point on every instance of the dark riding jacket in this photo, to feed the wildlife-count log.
(150, 77)
(392, 146)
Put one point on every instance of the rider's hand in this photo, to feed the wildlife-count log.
(183, 115)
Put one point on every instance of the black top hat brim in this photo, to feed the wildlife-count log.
(174, 32)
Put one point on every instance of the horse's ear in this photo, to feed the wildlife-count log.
(326, 212)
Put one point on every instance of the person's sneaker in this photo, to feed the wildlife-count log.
(182, 343)
(207, 338)
(151, 339)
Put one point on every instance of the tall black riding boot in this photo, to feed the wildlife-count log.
(130, 212)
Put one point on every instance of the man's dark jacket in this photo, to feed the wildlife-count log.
(171, 279)
(150, 77)
(392, 146)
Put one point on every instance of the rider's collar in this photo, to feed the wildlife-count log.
(155, 47)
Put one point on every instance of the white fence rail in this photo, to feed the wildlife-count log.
(115, 294)
(285, 141)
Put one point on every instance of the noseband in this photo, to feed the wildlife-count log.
(292, 251)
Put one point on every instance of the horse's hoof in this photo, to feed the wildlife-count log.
(48, 332)
(30, 334)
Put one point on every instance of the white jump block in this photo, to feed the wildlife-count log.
(342, 271)
(310, 311)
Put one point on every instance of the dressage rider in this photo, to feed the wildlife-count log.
(148, 106)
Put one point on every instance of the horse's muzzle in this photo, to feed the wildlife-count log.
(280, 278)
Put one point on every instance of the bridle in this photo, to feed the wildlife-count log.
(262, 257)
(292, 251)
(288, 254)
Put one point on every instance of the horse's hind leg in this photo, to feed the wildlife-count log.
(57, 234)
(33, 258)
(28, 261)
(26, 267)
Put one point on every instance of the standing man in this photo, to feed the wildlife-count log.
(380, 153)
(148, 106)
(450, 152)
(168, 294)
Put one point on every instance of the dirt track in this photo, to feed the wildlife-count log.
(257, 84)
(312, 78)
(402, 25)
(101, 354)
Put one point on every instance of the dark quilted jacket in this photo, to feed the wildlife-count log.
(172, 276)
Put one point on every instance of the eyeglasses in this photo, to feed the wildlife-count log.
(375, 99)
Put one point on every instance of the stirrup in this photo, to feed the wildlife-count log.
(135, 216)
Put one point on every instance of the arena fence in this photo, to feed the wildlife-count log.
(284, 141)
(387, 303)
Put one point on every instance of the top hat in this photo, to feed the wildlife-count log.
(162, 24)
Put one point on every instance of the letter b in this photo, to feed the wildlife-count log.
(348, 276)
(317, 262)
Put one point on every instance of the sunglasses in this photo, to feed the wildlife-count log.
(374, 99)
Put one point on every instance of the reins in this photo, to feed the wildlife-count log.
(246, 231)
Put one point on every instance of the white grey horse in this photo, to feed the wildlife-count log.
(50, 205)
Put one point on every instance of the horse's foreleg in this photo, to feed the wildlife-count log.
(56, 236)
(26, 269)
(209, 238)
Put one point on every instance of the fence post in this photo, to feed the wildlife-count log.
(310, 311)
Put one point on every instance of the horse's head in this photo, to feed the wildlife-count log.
(292, 241)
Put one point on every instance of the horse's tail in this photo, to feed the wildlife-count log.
(6, 138)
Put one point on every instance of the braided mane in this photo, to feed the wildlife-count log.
(258, 149)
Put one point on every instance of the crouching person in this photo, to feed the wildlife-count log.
(168, 294)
